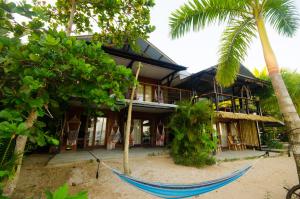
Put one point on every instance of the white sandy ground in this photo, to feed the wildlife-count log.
(264, 181)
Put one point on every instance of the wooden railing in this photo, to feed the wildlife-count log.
(235, 104)
(160, 94)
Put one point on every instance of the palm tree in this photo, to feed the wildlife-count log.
(245, 18)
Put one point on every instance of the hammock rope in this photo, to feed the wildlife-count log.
(164, 190)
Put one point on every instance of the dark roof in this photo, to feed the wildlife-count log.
(204, 78)
(148, 54)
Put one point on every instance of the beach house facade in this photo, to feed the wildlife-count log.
(162, 84)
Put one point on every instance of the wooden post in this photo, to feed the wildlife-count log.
(216, 95)
(247, 106)
(233, 104)
(180, 95)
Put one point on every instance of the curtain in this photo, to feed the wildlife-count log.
(249, 133)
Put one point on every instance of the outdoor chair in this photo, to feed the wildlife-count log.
(238, 141)
(232, 144)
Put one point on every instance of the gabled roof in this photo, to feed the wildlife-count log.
(204, 79)
(244, 72)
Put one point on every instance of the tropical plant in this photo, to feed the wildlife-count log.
(191, 126)
(51, 68)
(244, 19)
(63, 193)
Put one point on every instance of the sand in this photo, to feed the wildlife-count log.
(266, 180)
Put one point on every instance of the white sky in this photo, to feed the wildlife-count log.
(199, 50)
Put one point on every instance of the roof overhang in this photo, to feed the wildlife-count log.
(242, 116)
(136, 57)
(156, 64)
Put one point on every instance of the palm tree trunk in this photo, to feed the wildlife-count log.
(287, 108)
(128, 125)
(71, 19)
(19, 151)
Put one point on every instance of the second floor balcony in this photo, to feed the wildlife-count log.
(235, 104)
(147, 92)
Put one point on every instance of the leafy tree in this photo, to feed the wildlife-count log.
(267, 96)
(50, 69)
(116, 21)
(191, 126)
(244, 19)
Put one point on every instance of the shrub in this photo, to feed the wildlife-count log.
(191, 126)
(274, 144)
(63, 193)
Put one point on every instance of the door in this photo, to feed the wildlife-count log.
(146, 133)
(96, 131)
(224, 134)
(137, 132)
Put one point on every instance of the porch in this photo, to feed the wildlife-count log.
(117, 154)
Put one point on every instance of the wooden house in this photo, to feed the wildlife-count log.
(239, 117)
(154, 101)
(163, 83)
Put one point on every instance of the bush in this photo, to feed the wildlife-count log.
(274, 144)
(191, 126)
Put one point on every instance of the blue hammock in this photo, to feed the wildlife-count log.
(180, 190)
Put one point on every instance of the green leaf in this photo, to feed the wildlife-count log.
(36, 103)
(51, 41)
(10, 115)
(235, 41)
(61, 192)
(34, 57)
(3, 174)
(282, 15)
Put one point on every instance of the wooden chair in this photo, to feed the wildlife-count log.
(243, 145)
(232, 144)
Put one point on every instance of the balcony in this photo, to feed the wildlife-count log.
(234, 104)
(147, 92)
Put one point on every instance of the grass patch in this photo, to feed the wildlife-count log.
(197, 160)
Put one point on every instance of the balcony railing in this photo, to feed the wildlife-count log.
(235, 104)
(160, 94)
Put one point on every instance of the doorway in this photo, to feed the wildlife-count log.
(96, 132)
(223, 134)
(140, 132)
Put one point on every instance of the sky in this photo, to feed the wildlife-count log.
(199, 50)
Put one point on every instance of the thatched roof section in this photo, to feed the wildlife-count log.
(242, 116)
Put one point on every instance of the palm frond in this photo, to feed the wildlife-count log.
(234, 44)
(282, 15)
(197, 14)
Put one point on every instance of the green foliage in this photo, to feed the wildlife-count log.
(235, 39)
(197, 14)
(282, 15)
(240, 17)
(51, 69)
(274, 144)
(191, 126)
(268, 98)
(48, 71)
(63, 193)
(116, 21)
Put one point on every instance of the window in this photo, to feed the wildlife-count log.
(148, 93)
(140, 93)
